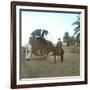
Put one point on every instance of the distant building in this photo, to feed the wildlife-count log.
(64, 44)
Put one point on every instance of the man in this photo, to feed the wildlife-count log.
(59, 47)
(59, 43)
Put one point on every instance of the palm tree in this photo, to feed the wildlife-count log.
(72, 40)
(66, 38)
(77, 29)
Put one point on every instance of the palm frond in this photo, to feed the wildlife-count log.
(77, 28)
(77, 31)
(78, 35)
(78, 18)
(76, 23)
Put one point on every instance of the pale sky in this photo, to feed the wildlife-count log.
(56, 24)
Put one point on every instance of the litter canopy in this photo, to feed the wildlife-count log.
(39, 33)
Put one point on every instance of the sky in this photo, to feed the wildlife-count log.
(56, 24)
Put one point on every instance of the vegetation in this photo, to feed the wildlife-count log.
(75, 39)
(66, 38)
(77, 30)
(71, 40)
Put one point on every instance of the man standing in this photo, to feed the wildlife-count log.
(59, 43)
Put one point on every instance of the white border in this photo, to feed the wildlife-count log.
(53, 79)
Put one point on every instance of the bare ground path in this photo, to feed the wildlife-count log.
(36, 67)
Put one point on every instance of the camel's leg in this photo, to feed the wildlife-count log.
(54, 58)
(61, 57)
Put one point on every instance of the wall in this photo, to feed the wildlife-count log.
(5, 44)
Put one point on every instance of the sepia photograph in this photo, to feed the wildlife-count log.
(49, 44)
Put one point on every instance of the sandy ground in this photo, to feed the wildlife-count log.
(37, 67)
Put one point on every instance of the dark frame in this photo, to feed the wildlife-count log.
(13, 44)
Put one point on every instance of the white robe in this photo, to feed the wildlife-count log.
(28, 51)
